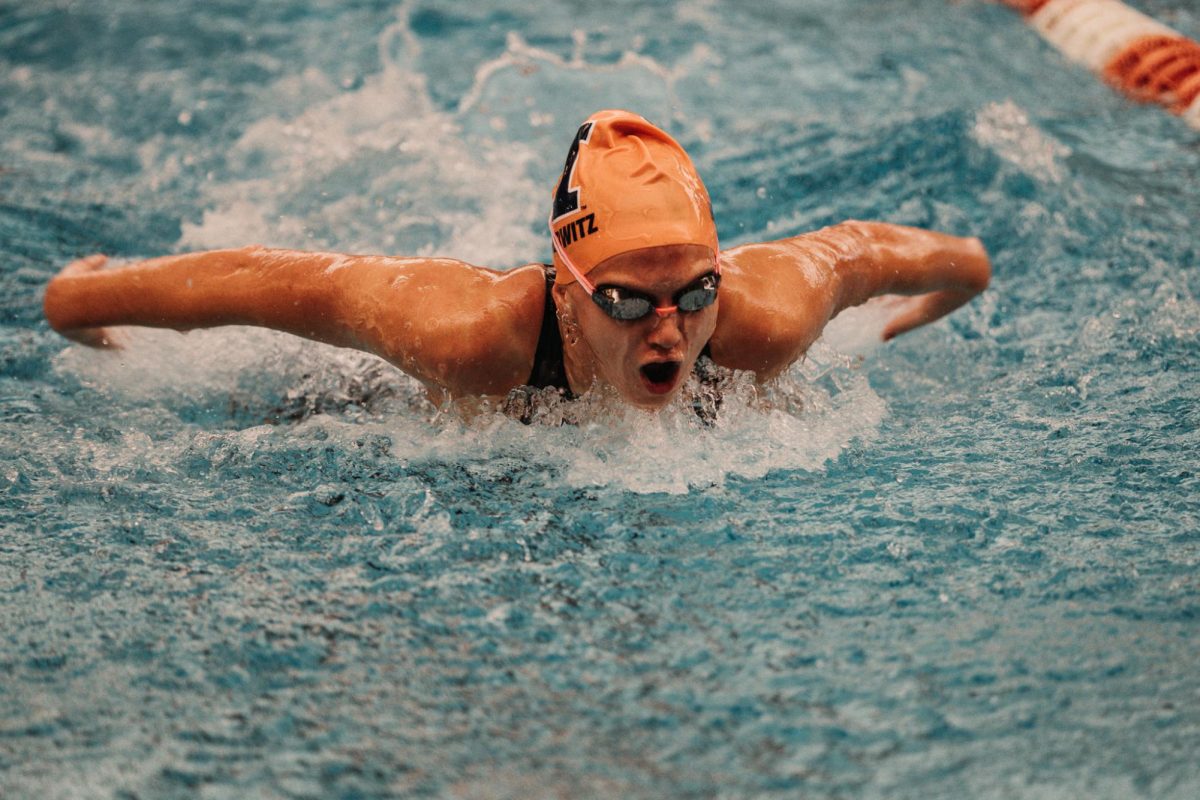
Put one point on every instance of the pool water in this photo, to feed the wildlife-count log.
(236, 564)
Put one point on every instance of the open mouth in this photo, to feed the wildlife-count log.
(660, 376)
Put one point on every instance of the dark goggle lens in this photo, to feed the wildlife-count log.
(702, 295)
(626, 306)
(620, 305)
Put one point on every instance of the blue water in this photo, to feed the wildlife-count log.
(236, 564)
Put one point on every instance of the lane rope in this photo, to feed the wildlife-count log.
(1134, 53)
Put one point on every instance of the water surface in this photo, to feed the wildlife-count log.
(237, 564)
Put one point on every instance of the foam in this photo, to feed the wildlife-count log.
(798, 423)
(373, 169)
(161, 365)
(1005, 129)
(804, 419)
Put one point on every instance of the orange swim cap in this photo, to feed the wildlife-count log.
(626, 185)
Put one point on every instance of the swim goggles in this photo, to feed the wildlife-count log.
(627, 305)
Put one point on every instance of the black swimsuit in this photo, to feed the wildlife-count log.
(549, 371)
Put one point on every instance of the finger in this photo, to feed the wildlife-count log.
(87, 264)
(99, 338)
(886, 301)
(904, 322)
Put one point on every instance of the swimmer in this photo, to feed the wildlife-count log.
(638, 290)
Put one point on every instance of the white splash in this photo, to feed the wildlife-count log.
(511, 93)
(808, 417)
(1006, 129)
(373, 169)
(811, 415)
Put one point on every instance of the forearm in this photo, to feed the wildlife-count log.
(894, 259)
(252, 286)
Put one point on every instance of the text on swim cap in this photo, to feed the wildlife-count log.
(576, 230)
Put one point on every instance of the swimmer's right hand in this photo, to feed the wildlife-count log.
(60, 306)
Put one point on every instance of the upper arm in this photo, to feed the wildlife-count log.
(455, 327)
(775, 300)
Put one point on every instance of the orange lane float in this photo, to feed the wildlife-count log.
(1138, 55)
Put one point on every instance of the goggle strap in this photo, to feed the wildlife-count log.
(587, 285)
(590, 287)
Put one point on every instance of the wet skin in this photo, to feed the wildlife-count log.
(467, 332)
(645, 360)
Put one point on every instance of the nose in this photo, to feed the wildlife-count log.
(666, 333)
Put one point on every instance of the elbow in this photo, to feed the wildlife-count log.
(979, 272)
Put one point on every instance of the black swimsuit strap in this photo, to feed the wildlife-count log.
(548, 367)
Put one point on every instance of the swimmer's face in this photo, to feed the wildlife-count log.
(645, 360)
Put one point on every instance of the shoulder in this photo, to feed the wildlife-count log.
(512, 304)
(776, 297)
(481, 340)
(457, 327)
(499, 339)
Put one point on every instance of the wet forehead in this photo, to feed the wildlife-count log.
(655, 269)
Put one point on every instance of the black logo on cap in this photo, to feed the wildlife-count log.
(566, 197)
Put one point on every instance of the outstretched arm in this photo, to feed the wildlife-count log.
(251, 286)
(776, 297)
(455, 327)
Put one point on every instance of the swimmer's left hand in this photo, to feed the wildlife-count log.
(913, 312)
(57, 305)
